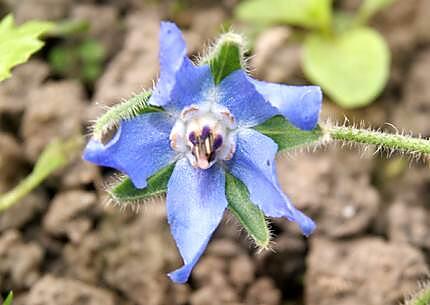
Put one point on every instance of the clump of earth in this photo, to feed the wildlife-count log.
(63, 245)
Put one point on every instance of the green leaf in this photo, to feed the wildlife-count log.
(126, 192)
(371, 7)
(313, 14)
(9, 299)
(248, 214)
(286, 135)
(62, 59)
(19, 42)
(92, 51)
(352, 68)
(226, 56)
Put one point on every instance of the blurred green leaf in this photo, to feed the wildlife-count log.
(62, 59)
(313, 14)
(9, 299)
(17, 43)
(83, 60)
(91, 51)
(343, 21)
(91, 72)
(56, 155)
(246, 212)
(352, 68)
(68, 28)
(286, 135)
(371, 7)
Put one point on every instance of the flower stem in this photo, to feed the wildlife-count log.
(394, 142)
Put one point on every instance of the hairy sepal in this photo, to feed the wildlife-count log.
(226, 56)
(125, 193)
(247, 213)
(127, 110)
(286, 135)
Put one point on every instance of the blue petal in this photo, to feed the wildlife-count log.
(139, 149)
(239, 95)
(195, 205)
(173, 49)
(301, 105)
(254, 164)
(181, 83)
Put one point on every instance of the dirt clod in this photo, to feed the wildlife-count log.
(59, 291)
(54, 110)
(363, 271)
(20, 261)
(69, 214)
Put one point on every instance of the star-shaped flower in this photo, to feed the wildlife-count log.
(203, 123)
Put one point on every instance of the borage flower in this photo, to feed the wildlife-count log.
(208, 134)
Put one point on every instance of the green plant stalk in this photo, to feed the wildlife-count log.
(394, 142)
(20, 191)
(56, 155)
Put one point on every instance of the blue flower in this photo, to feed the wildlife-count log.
(205, 129)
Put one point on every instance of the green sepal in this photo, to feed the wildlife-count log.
(247, 213)
(288, 136)
(226, 56)
(127, 110)
(126, 192)
(9, 299)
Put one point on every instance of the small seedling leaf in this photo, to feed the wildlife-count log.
(19, 42)
(313, 14)
(352, 68)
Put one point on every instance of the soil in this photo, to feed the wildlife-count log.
(62, 245)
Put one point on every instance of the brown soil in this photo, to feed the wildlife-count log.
(63, 246)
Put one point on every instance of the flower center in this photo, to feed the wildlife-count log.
(204, 134)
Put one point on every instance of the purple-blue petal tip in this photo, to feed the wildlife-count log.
(90, 152)
(301, 105)
(95, 152)
(306, 224)
(308, 113)
(181, 275)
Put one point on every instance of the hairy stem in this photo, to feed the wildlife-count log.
(395, 142)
